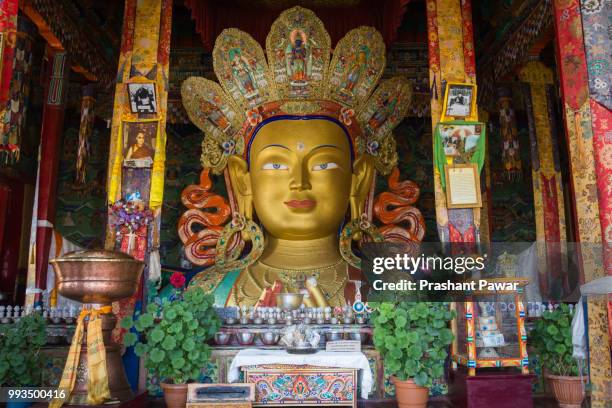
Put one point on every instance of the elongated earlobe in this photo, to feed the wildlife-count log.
(363, 171)
(241, 183)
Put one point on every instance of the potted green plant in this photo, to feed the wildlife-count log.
(173, 336)
(21, 361)
(413, 338)
(551, 338)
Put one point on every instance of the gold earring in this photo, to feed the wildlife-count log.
(346, 238)
(232, 260)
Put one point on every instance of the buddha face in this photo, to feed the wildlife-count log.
(300, 173)
(300, 178)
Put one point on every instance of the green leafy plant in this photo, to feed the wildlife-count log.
(551, 337)
(413, 338)
(21, 361)
(173, 335)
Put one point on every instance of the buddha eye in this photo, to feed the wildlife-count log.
(274, 166)
(324, 166)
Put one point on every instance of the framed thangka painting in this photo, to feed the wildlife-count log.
(139, 143)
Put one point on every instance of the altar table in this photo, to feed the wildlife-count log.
(328, 376)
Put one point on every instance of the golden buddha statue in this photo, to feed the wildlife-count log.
(297, 157)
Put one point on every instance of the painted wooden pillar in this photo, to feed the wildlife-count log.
(546, 175)
(143, 62)
(50, 145)
(584, 67)
(451, 59)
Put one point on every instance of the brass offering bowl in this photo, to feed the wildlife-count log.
(99, 277)
(289, 301)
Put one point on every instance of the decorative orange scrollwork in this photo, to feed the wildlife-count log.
(402, 221)
(207, 212)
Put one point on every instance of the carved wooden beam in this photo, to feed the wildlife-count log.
(62, 33)
(503, 57)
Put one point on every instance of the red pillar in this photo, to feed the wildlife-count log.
(50, 143)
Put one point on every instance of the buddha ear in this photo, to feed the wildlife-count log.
(363, 171)
(241, 185)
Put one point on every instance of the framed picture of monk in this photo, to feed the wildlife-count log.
(139, 144)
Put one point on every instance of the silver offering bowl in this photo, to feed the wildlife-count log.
(270, 338)
(362, 337)
(230, 320)
(334, 336)
(244, 320)
(289, 301)
(222, 338)
(99, 277)
(307, 320)
(347, 320)
(271, 320)
(245, 338)
(320, 320)
(258, 320)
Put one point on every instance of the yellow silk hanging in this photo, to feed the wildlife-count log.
(97, 386)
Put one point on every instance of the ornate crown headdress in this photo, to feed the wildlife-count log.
(297, 79)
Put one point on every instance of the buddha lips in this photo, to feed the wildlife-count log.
(301, 203)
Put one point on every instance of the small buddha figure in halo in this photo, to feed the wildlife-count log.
(299, 172)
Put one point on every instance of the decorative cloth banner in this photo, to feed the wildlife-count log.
(16, 108)
(85, 129)
(146, 36)
(97, 381)
(597, 29)
(511, 155)
(458, 142)
(8, 38)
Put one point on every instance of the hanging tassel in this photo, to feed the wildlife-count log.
(154, 266)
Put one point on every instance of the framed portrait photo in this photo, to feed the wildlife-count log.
(462, 186)
(139, 144)
(459, 102)
(143, 98)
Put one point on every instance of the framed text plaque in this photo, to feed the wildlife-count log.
(462, 186)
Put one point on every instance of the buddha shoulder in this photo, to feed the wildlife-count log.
(208, 279)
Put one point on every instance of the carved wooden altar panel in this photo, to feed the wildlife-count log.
(288, 385)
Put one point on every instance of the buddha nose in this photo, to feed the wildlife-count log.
(300, 180)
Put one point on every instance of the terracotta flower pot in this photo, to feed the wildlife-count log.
(568, 391)
(175, 395)
(410, 395)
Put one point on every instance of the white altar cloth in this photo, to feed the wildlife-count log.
(356, 360)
